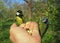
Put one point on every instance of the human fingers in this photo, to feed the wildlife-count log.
(27, 26)
(22, 26)
(34, 29)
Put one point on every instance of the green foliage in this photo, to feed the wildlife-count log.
(49, 36)
(4, 31)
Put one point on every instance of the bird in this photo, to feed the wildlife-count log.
(19, 20)
(19, 17)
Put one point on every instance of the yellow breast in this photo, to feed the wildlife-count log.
(19, 20)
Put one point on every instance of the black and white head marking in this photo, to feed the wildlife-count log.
(17, 13)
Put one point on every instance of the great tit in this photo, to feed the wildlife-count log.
(19, 17)
(19, 20)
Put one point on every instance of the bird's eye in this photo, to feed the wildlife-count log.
(17, 13)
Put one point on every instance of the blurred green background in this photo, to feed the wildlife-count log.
(33, 10)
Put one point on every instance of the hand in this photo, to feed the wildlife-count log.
(19, 34)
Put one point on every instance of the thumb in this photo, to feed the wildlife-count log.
(13, 25)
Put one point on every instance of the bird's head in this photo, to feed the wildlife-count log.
(19, 13)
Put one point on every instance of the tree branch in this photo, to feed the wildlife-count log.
(47, 25)
(26, 1)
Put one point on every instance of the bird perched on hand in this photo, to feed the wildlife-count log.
(19, 17)
(19, 20)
